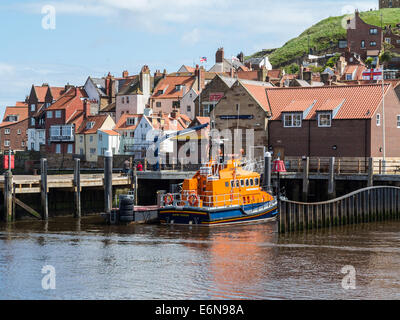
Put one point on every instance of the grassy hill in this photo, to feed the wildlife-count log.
(324, 36)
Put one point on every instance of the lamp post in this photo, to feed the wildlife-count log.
(278, 167)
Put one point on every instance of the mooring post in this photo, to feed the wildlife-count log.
(370, 172)
(43, 189)
(331, 186)
(267, 171)
(135, 182)
(108, 172)
(8, 196)
(77, 186)
(306, 168)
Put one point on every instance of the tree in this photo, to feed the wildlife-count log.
(385, 57)
(369, 62)
(292, 69)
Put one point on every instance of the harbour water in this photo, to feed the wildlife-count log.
(95, 261)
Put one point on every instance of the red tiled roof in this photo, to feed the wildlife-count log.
(122, 125)
(203, 120)
(360, 101)
(21, 112)
(330, 105)
(56, 92)
(298, 106)
(110, 132)
(98, 121)
(71, 98)
(41, 92)
(169, 83)
(258, 93)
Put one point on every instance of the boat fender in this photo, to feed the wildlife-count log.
(193, 200)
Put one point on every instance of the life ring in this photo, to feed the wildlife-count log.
(168, 199)
(194, 200)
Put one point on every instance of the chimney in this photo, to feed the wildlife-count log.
(108, 84)
(325, 78)
(125, 74)
(219, 56)
(262, 74)
(174, 114)
(144, 80)
(241, 57)
(307, 76)
(86, 108)
(165, 73)
(232, 73)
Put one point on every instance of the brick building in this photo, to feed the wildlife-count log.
(63, 118)
(13, 129)
(389, 4)
(362, 38)
(344, 121)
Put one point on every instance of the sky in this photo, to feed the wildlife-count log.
(65, 41)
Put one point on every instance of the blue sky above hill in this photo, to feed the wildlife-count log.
(94, 37)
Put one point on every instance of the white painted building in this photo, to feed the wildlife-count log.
(108, 140)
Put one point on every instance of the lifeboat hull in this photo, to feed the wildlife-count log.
(255, 213)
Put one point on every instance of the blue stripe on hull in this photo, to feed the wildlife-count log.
(229, 216)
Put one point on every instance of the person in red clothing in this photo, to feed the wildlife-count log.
(139, 167)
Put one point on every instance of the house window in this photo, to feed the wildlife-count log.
(237, 107)
(373, 31)
(189, 109)
(127, 99)
(378, 120)
(91, 138)
(363, 44)
(69, 148)
(92, 151)
(89, 125)
(398, 121)
(123, 99)
(349, 76)
(324, 120)
(292, 120)
(6, 143)
(81, 139)
(372, 43)
(19, 131)
(58, 114)
(49, 114)
(32, 121)
(388, 40)
(100, 137)
(33, 108)
(81, 151)
(7, 131)
(131, 121)
(23, 144)
(58, 148)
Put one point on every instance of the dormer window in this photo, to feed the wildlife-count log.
(131, 121)
(160, 92)
(178, 87)
(324, 119)
(89, 125)
(12, 118)
(292, 120)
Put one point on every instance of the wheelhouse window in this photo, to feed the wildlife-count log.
(256, 181)
(324, 120)
(292, 120)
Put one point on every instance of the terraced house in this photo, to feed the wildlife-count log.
(14, 127)
(87, 135)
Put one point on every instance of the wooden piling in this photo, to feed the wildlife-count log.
(306, 168)
(8, 196)
(77, 188)
(44, 190)
(331, 183)
(135, 185)
(370, 172)
(108, 171)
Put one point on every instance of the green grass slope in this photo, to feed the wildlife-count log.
(324, 36)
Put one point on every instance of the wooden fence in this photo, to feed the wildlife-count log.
(362, 206)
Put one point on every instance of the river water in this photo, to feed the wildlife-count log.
(95, 261)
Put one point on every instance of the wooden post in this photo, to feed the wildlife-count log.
(8, 196)
(306, 168)
(108, 172)
(331, 184)
(77, 188)
(370, 172)
(135, 182)
(44, 189)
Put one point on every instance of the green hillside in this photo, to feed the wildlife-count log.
(324, 36)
